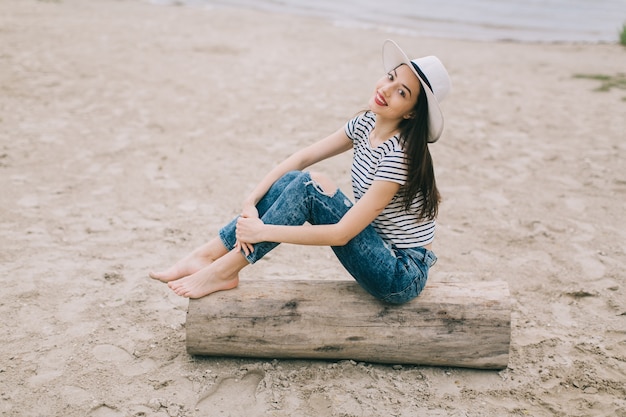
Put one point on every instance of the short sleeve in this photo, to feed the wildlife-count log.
(351, 127)
(358, 129)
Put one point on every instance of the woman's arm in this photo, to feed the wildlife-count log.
(253, 230)
(332, 145)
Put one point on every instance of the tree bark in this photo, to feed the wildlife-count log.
(450, 324)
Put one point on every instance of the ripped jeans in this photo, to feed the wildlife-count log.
(388, 273)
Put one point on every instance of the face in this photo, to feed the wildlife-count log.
(396, 94)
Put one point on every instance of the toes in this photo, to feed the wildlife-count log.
(179, 289)
(161, 276)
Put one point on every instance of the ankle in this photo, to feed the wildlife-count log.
(227, 271)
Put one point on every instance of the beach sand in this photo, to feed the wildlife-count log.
(131, 132)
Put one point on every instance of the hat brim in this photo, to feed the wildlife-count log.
(393, 57)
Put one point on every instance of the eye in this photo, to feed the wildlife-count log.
(402, 93)
(390, 76)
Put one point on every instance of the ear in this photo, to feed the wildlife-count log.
(410, 115)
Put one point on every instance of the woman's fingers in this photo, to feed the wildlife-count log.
(247, 232)
(240, 245)
(247, 248)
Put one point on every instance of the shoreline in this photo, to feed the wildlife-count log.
(432, 24)
(130, 134)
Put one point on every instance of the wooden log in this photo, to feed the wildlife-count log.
(449, 324)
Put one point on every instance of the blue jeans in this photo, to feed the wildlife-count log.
(388, 273)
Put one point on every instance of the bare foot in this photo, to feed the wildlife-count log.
(221, 275)
(202, 283)
(186, 266)
(192, 263)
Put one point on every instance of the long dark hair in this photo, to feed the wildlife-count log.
(421, 173)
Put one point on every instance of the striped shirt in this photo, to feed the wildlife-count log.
(387, 162)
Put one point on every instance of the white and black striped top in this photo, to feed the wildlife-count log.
(387, 162)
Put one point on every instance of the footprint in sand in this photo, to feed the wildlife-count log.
(111, 353)
(233, 397)
(105, 411)
(126, 363)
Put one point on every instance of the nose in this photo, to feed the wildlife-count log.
(386, 88)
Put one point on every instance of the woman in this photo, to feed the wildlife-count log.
(384, 240)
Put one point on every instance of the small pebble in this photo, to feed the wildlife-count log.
(173, 410)
(155, 403)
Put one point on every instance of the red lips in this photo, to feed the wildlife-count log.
(380, 100)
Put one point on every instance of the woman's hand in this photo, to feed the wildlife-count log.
(248, 211)
(248, 232)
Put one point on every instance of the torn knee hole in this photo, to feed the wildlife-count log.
(323, 184)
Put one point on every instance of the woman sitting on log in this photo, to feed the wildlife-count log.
(384, 239)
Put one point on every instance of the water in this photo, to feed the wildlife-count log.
(520, 20)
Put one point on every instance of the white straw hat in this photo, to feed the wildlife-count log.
(433, 77)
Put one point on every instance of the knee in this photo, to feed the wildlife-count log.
(291, 175)
(326, 184)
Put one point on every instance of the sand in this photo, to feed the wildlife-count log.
(131, 132)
